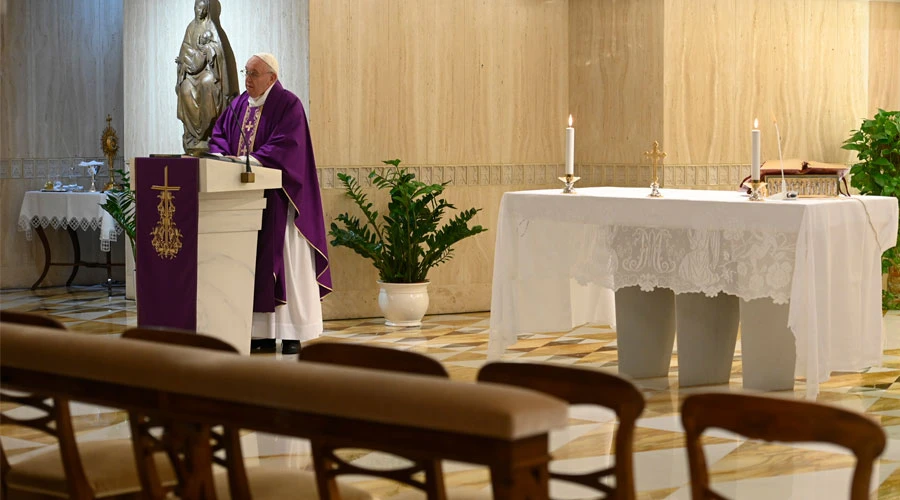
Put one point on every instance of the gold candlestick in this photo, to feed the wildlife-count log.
(757, 191)
(655, 156)
(569, 180)
(109, 142)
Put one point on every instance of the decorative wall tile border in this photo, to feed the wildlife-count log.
(39, 170)
(671, 176)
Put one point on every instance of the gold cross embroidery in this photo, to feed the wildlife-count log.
(166, 236)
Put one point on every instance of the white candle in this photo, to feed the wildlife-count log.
(570, 148)
(754, 151)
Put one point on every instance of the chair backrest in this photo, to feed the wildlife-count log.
(583, 386)
(175, 336)
(31, 319)
(376, 358)
(328, 465)
(772, 419)
(186, 445)
(56, 420)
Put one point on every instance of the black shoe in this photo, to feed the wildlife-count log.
(290, 346)
(262, 346)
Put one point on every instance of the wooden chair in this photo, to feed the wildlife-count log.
(188, 446)
(87, 470)
(771, 419)
(328, 465)
(190, 452)
(579, 386)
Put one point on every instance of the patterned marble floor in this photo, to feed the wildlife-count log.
(740, 469)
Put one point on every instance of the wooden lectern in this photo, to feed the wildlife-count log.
(227, 217)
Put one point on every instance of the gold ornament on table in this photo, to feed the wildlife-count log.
(655, 156)
(109, 142)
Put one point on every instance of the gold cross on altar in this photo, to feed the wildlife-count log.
(655, 156)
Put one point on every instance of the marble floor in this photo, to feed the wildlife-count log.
(739, 469)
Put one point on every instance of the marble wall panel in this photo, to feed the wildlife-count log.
(801, 62)
(435, 82)
(884, 56)
(154, 33)
(616, 78)
(62, 75)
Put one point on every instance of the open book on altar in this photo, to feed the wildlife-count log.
(796, 167)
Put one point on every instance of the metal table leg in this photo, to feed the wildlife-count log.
(46, 245)
(76, 252)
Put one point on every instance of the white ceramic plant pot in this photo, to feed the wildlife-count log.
(403, 304)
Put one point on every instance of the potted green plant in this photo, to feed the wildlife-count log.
(877, 146)
(120, 206)
(405, 243)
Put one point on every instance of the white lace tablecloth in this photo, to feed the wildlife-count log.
(68, 210)
(558, 258)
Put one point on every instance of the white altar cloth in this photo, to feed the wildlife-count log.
(558, 258)
(76, 210)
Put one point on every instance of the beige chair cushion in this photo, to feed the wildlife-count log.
(109, 466)
(280, 482)
(452, 494)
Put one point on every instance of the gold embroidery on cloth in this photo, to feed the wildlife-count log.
(166, 237)
(248, 130)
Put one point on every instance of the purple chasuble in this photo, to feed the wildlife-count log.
(281, 140)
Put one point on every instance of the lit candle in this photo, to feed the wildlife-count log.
(570, 148)
(754, 151)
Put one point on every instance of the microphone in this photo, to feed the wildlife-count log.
(247, 176)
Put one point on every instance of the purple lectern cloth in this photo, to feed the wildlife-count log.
(167, 279)
(283, 142)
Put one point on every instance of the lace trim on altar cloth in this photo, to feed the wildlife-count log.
(75, 223)
(748, 263)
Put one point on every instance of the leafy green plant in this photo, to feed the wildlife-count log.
(120, 205)
(877, 145)
(408, 241)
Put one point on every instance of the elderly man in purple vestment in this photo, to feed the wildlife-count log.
(292, 275)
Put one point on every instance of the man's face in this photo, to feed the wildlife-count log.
(257, 77)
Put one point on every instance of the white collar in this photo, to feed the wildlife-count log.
(259, 101)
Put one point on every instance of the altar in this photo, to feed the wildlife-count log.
(559, 259)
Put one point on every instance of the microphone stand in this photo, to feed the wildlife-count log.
(784, 194)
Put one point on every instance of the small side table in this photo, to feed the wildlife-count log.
(70, 211)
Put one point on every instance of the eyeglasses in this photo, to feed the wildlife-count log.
(254, 74)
